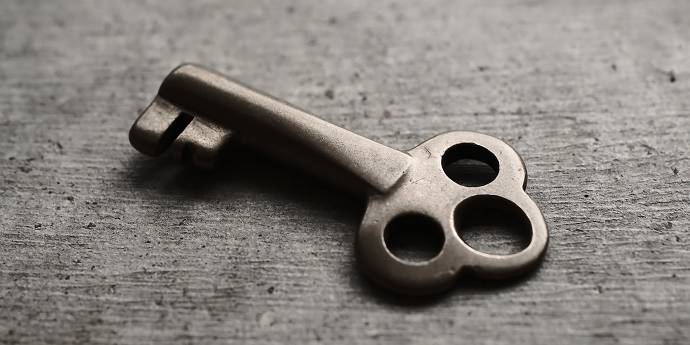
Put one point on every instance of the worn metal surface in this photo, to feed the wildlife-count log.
(101, 245)
(203, 112)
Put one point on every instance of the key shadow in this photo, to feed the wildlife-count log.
(239, 170)
(166, 176)
(467, 285)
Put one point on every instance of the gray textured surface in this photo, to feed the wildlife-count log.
(101, 245)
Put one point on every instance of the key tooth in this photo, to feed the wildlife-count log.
(201, 142)
(157, 126)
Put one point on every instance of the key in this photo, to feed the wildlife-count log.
(198, 111)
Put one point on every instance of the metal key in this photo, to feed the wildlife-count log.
(198, 111)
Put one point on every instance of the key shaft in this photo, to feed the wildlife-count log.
(272, 126)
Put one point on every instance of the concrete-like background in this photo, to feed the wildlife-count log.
(99, 244)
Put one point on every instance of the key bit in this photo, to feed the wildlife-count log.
(198, 111)
(163, 124)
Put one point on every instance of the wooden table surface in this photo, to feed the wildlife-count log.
(102, 245)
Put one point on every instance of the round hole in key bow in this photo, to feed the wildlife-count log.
(414, 237)
(492, 224)
(470, 165)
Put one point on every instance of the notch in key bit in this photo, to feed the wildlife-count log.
(164, 124)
